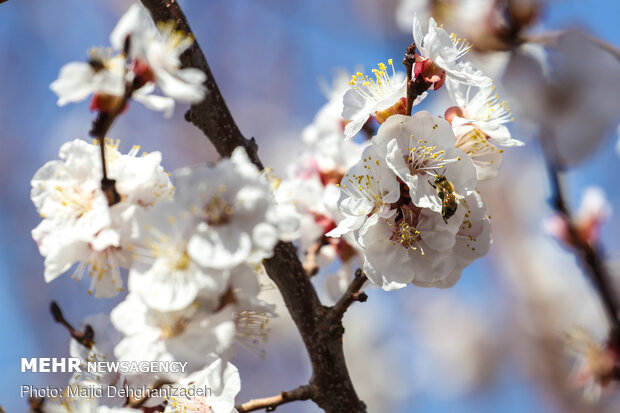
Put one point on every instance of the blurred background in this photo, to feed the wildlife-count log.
(492, 343)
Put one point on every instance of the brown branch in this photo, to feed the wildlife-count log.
(590, 255)
(334, 390)
(417, 86)
(270, 403)
(99, 130)
(409, 61)
(352, 294)
(212, 115)
(332, 387)
(85, 337)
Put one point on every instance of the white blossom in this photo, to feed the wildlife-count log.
(159, 48)
(208, 325)
(419, 148)
(368, 95)
(163, 274)
(594, 364)
(78, 225)
(479, 121)
(105, 77)
(390, 201)
(368, 188)
(439, 55)
(187, 335)
(416, 246)
(103, 74)
(153, 60)
(236, 215)
(222, 381)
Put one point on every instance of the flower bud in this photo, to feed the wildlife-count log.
(453, 112)
(430, 72)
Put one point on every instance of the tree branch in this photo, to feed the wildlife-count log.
(212, 115)
(409, 61)
(589, 254)
(332, 387)
(350, 296)
(270, 403)
(101, 125)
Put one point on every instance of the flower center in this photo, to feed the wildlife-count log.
(405, 229)
(218, 211)
(368, 184)
(172, 326)
(476, 144)
(79, 202)
(424, 159)
(182, 263)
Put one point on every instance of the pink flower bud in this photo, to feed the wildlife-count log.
(453, 112)
(143, 72)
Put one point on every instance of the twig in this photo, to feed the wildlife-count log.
(409, 61)
(212, 115)
(417, 86)
(99, 130)
(270, 403)
(137, 403)
(589, 254)
(311, 263)
(352, 294)
(85, 337)
(333, 388)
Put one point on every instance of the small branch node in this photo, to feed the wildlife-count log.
(351, 295)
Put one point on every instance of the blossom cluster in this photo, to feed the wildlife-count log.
(402, 204)
(142, 57)
(408, 210)
(190, 252)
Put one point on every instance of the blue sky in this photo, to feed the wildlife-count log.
(258, 50)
